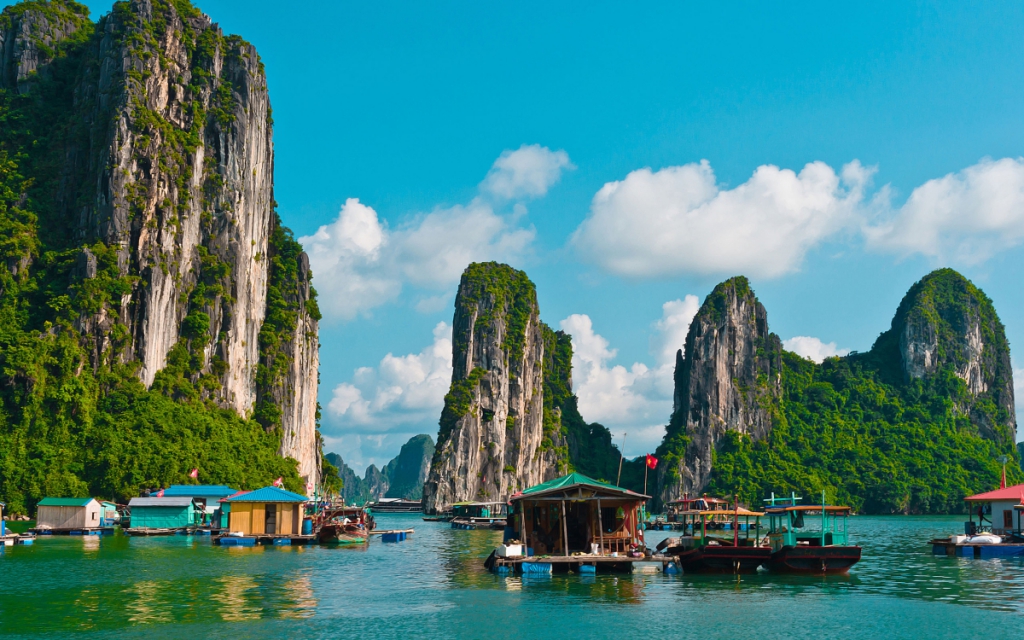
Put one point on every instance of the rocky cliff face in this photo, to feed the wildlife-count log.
(408, 471)
(946, 323)
(493, 439)
(728, 378)
(164, 181)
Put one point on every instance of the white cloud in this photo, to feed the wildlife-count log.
(680, 221)
(635, 400)
(401, 393)
(360, 263)
(529, 171)
(813, 348)
(964, 217)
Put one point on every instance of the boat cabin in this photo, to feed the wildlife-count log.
(270, 511)
(207, 496)
(993, 511)
(686, 504)
(164, 513)
(576, 514)
(478, 510)
(697, 524)
(816, 525)
(69, 513)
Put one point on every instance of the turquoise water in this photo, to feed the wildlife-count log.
(434, 585)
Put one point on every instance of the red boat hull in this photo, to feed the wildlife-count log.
(722, 559)
(814, 560)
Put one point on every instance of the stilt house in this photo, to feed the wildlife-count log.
(269, 511)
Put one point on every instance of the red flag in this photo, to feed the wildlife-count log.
(194, 473)
(652, 462)
(160, 493)
(279, 482)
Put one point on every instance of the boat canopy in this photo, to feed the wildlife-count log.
(807, 508)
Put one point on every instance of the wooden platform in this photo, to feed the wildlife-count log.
(86, 531)
(968, 550)
(154, 531)
(12, 539)
(257, 539)
(576, 564)
(380, 532)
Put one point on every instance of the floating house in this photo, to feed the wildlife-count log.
(67, 514)
(995, 509)
(109, 514)
(156, 516)
(572, 523)
(225, 508)
(208, 496)
(477, 515)
(268, 511)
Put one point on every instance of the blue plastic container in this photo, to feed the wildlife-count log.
(588, 569)
(238, 542)
(529, 551)
(672, 569)
(307, 527)
(282, 542)
(536, 567)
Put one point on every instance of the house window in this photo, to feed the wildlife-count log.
(94, 515)
(1008, 519)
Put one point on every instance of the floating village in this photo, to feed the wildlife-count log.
(569, 525)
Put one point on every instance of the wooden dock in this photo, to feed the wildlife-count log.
(943, 547)
(80, 531)
(12, 539)
(263, 539)
(577, 564)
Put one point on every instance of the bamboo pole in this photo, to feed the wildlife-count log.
(565, 532)
(622, 454)
(600, 529)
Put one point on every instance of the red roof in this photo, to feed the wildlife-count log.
(1016, 492)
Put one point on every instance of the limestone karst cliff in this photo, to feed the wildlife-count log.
(497, 435)
(945, 322)
(911, 426)
(402, 477)
(146, 140)
(727, 378)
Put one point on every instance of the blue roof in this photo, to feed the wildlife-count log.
(202, 490)
(268, 494)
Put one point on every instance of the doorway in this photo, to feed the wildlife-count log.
(271, 521)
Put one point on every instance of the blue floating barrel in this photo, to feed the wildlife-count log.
(536, 567)
(390, 537)
(307, 527)
(282, 542)
(672, 568)
(27, 541)
(588, 569)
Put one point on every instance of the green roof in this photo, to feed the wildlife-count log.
(576, 479)
(64, 502)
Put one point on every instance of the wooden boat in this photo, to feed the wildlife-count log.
(809, 538)
(397, 505)
(702, 553)
(344, 525)
(479, 515)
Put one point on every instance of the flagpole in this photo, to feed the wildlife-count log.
(622, 453)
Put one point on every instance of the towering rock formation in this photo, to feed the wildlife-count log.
(408, 470)
(497, 435)
(728, 378)
(158, 169)
(944, 322)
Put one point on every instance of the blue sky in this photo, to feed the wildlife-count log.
(408, 106)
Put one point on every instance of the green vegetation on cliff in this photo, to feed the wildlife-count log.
(872, 436)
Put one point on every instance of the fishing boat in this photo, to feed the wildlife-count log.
(344, 525)
(397, 505)
(676, 509)
(479, 515)
(721, 553)
(811, 538)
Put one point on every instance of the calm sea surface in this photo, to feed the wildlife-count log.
(434, 585)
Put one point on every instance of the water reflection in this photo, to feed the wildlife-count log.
(146, 606)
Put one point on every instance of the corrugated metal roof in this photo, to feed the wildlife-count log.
(574, 480)
(64, 502)
(159, 502)
(268, 494)
(234, 495)
(200, 490)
